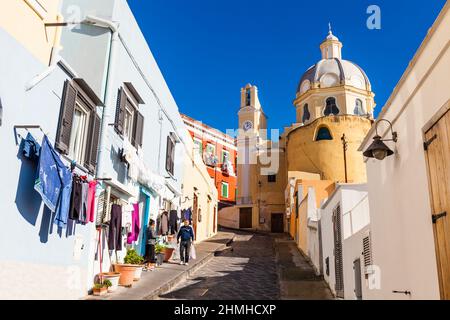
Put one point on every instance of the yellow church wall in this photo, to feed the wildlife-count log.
(326, 157)
(25, 21)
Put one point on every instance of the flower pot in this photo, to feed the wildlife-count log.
(127, 272)
(113, 277)
(168, 254)
(138, 273)
(100, 292)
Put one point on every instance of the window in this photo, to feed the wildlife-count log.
(224, 190)
(79, 124)
(198, 146)
(272, 178)
(170, 155)
(79, 133)
(248, 98)
(323, 134)
(306, 114)
(225, 156)
(210, 149)
(331, 107)
(359, 110)
(129, 122)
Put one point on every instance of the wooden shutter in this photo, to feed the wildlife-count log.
(66, 117)
(338, 261)
(170, 155)
(92, 143)
(367, 251)
(103, 207)
(138, 132)
(120, 111)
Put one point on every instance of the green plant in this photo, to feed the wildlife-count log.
(105, 284)
(132, 257)
(160, 248)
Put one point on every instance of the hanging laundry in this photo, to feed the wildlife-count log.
(30, 148)
(173, 218)
(79, 200)
(164, 223)
(91, 201)
(135, 225)
(115, 228)
(187, 215)
(54, 183)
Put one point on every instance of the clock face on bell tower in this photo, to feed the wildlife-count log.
(247, 125)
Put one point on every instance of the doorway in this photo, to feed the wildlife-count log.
(437, 146)
(358, 281)
(277, 223)
(245, 218)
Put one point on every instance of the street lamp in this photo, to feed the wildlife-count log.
(378, 149)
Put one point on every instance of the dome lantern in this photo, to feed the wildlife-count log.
(331, 47)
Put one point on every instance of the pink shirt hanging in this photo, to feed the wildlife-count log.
(135, 226)
(91, 201)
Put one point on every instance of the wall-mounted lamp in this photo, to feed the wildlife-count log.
(378, 149)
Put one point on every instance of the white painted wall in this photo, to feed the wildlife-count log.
(36, 259)
(402, 234)
(355, 219)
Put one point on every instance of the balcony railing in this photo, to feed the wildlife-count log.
(244, 200)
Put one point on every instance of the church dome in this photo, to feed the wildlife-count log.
(332, 70)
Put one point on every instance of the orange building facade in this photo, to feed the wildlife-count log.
(219, 153)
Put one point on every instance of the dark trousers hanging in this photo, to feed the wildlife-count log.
(115, 228)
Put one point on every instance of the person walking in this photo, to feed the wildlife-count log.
(186, 234)
(151, 242)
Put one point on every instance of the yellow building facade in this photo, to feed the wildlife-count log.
(334, 106)
(28, 22)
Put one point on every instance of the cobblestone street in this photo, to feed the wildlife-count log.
(255, 267)
(245, 271)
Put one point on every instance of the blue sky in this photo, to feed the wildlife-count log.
(208, 49)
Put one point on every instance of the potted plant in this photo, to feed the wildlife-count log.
(113, 277)
(133, 258)
(100, 289)
(160, 253)
(168, 251)
(128, 269)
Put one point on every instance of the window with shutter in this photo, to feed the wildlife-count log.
(66, 117)
(79, 125)
(129, 122)
(103, 207)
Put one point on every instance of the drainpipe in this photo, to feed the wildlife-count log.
(109, 94)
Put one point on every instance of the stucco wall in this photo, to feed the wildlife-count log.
(403, 243)
(36, 257)
(20, 20)
(326, 157)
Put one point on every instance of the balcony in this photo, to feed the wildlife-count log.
(244, 200)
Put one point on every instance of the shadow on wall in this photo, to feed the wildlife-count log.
(118, 166)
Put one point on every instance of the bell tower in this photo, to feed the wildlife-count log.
(251, 116)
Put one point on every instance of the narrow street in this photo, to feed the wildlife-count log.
(254, 267)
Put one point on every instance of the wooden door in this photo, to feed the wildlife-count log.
(245, 218)
(277, 224)
(358, 281)
(437, 146)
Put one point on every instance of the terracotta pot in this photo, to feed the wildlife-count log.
(127, 272)
(113, 277)
(168, 253)
(138, 273)
(100, 292)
